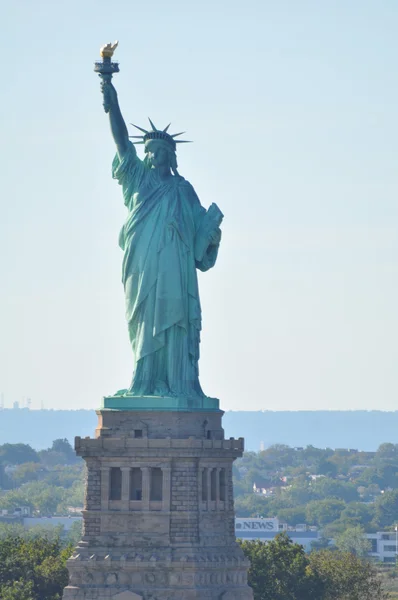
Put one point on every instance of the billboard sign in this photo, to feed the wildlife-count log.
(271, 524)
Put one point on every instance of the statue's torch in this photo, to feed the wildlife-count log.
(107, 68)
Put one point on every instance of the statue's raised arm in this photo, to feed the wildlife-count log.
(118, 126)
(105, 69)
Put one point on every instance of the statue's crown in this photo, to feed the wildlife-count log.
(158, 134)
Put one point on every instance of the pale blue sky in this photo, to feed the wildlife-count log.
(293, 109)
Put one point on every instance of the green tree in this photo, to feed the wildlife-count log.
(39, 561)
(17, 454)
(279, 570)
(252, 505)
(300, 492)
(17, 590)
(353, 540)
(50, 459)
(75, 533)
(358, 512)
(326, 467)
(65, 475)
(386, 509)
(63, 446)
(4, 479)
(11, 530)
(26, 472)
(388, 476)
(292, 516)
(41, 498)
(332, 488)
(322, 543)
(345, 576)
(322, 512)
(387, 451)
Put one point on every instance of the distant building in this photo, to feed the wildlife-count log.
(10, 469)
(268, 487)
(266, 529)
(66, 522)
(384, 546)
(383, 543)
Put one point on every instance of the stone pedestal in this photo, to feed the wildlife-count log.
(158, 514)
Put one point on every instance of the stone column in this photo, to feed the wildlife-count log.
(208, 471)
(125, 488)
(218, 471)
(200, 486)
(166, 490)
(105, 475)
(228, 487)
(146, 487)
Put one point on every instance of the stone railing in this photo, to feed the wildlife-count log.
(88, 444)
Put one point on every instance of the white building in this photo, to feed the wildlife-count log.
(383, 543)
(266, 529)
(384, 546)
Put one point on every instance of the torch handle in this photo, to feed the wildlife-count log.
(105, 70)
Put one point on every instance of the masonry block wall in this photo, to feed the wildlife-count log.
(158, 514)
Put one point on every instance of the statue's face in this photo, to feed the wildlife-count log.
(157, 155)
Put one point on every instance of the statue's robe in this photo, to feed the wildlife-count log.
(159, 276)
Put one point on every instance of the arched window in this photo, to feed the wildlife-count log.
(115, 488)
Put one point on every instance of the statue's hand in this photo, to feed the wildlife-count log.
(110, 95)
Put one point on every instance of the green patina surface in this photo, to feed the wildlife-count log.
(128, 402)
(166, 238)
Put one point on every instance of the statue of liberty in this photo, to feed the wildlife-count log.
(166, 237)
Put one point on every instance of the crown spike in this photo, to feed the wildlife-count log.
(158, 134)
(140, 128)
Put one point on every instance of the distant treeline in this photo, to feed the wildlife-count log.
(362, 430)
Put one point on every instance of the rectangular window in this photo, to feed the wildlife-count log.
(213, 484)
(390, 548)
(138, 433)
(115, 487)
(223, 485)
(156, 492)
(135, 484)
(204, 485)
(373, 547)
(389, 559)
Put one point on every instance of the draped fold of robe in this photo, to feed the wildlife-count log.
(159, 277)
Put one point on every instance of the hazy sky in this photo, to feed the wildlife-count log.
(292, 106)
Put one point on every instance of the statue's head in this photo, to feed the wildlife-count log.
(160, 154)
(160, 147)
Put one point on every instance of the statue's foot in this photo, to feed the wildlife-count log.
(121, 392)
(139, 389)
(161, 389)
